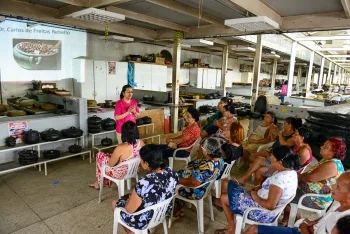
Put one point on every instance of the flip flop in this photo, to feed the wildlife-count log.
(220, 231)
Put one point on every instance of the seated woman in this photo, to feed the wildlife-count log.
(200, 171)
(210, 128)
(320, 178)
(284, 137)
(263, 134)
(223, 124)
(189, 135)
(123, 152)
(275, 191)
(156, 186)
(233, 150)
(262, 166)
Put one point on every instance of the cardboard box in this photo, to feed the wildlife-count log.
(160, 60)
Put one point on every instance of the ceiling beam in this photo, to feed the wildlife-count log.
(337, 56)
(184, 9)
(314, 22)
(99, 3)
(148, 19)
(346, 6)
(218, 41)
(83, 3)
(257, 8)
(48, 15)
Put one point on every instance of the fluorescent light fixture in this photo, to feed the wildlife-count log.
(250, 24)
(245, 58)
(197, 42)
(337, 56)
(301, 64)
(271, 56)
(97, 15)
(341, 60)
(324, 38)
(117, 38)
(345, 48)
(242, 48)
(285, 61)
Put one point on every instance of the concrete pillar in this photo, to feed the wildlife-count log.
(291, 68)
(298, 78)
(320, 78)
(256, 69)
(334, 73)
(329, 73)
(310, 73)
(224, 69)
(176, 85)
(274, 74)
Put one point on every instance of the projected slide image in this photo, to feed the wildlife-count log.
(36, 54)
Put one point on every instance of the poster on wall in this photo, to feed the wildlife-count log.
(112, 68)
(34, 51)
(17, 129)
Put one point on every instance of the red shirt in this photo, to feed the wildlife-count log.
(194, 132)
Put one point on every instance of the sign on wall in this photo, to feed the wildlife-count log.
(17, 129)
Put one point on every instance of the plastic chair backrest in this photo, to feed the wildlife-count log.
(210, 184)
(133, 166)
(195, 147)
(302, 170)
(227, 170)
(159, 212)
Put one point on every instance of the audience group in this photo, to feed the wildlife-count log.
(280, 171)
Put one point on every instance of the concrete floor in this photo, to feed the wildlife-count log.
(62, 202)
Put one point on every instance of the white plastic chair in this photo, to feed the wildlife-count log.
(241, 221)
(159, 213)
(302, 170)
(199, 204)
(133, 166)
(294, 208)
(225, 174)
(194, 149)
(265, 146)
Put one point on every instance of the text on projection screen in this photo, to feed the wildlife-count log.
(38, 52)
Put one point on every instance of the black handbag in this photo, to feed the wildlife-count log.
(51, 154)
(31, 137)
(106, 141)
(10, 141)
(72, 132)
(74, 149)
(108, 124)
(27, 157)
(50, 135)
(94, 120)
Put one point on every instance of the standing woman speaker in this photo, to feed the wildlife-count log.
(126, 109)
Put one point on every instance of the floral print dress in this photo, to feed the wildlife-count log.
(152, 189)
(203, 171)
(103, 158)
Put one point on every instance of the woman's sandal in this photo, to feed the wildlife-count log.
(220, 231)
(219, 208)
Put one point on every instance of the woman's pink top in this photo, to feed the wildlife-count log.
(284, 89)
(120, 108)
